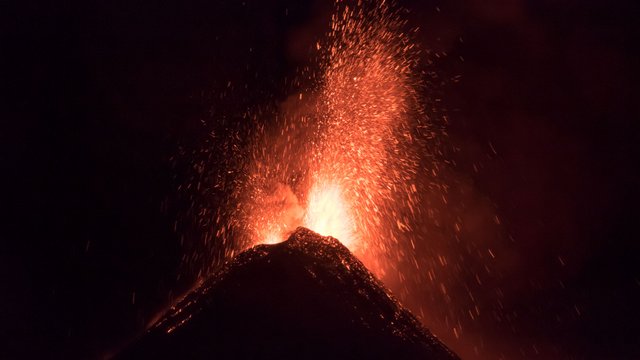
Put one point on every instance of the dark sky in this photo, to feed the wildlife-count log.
(98, 96)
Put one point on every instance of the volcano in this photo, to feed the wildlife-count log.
(308, 297)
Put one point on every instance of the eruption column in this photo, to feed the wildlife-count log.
(346, 164)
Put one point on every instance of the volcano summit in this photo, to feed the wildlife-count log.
(305, 298)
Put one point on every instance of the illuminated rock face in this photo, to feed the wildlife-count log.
(307, 297)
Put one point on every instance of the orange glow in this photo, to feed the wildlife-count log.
(328, 214)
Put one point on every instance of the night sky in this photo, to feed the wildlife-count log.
(98, 97)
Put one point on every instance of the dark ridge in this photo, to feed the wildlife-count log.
(307, 297)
